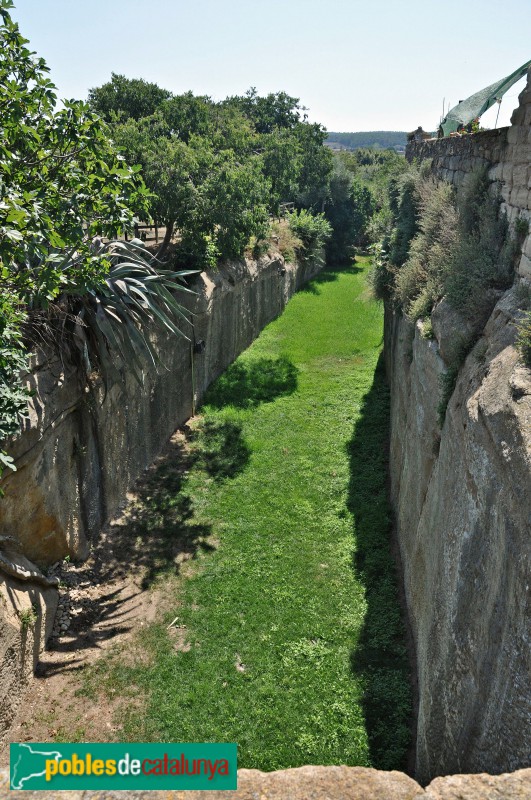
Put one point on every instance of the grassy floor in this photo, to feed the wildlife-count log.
(290, 641)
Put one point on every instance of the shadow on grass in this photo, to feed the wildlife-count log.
(218, 447)
(330, 274)
(155, 535)
(247, 384)
(381, 654)
(161, 532)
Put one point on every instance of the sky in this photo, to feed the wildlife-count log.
(356, 66)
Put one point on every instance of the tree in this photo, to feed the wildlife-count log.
(62, 183)
(126, 98)
(349, 208)
(200, 162)
(295, 159)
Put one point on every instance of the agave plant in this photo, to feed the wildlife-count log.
(136, 293)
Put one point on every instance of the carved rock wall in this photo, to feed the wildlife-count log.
(463, 515)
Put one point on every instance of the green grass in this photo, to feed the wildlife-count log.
(291, 641)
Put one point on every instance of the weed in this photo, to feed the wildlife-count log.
(287, 242)
(462, 247)
(28, 617)
(523, 340)
(427, 329)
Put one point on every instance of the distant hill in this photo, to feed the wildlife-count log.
(352, 141)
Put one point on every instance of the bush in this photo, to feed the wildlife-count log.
(461, 250)
(381, 275)
(420, 281)
(523, 341)
(483, 257)
(403, 202)
(313, 230)
(349, 208)
(286, 241)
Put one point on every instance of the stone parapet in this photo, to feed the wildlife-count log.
(322, 783)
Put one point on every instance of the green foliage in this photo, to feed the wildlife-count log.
(444, 244)
(381, 274)
(456, 246)
(313, 230)
(427, 329)
(521, 227)
(484, 254)
(420, 280)
(404, 204)
(123, 98)
(28, 617)
(13, 396)
(268, 114)
(136, 294)
(372, 139)
(349, 208)
(216, 170)
(523, 340)
(62, 183)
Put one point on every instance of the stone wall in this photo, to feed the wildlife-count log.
(462, 500)
(506, 152)
(84, 446)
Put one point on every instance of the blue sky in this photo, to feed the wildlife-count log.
(372, 65)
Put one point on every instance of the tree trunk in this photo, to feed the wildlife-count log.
(166, 241)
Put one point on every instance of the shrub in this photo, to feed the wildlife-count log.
(286, 241)
(403, 202)
(313, 230)
(523, 340)
(483, 257)
(462, 247)
(420, 281)
(381, 275)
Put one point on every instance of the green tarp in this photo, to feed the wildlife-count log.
(473, 107)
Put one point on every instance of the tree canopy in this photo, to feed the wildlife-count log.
(217, 170)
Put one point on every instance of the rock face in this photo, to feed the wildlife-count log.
(324, 783)
(462, 500)
(462, 495)
(82, 448)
